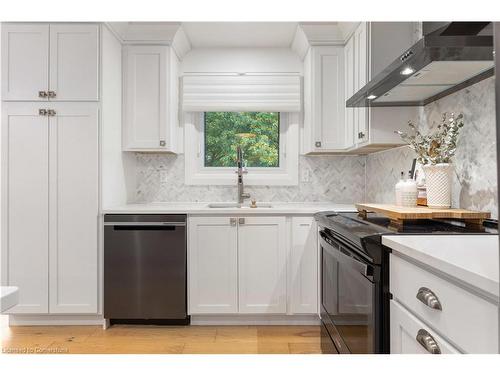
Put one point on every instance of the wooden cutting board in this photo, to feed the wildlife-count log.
(398, 214)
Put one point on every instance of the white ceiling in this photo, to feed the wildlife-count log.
(240, 34)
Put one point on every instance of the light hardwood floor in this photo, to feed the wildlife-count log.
(123, 339)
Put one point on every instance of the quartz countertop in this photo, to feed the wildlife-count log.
(472, 259)
(199, 208)
(9, 297)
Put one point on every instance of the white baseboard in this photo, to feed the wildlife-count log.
(257, 320)
(55, 320)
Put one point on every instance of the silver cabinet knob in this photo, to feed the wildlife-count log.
(425, 339)
(42, 112)
(317, 144)
(428, 298)
(162, 143)
(241, 221)
(42, 94)
(361, 135)
(232, 221)
(52, 94)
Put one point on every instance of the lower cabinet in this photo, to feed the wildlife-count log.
(49, 236)
(411, 336)
(213, 265)
(252, 265)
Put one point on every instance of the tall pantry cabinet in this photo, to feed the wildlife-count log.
(50, 166)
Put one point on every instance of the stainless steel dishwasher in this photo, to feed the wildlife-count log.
(145, 269)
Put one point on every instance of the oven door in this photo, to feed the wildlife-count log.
(348, 295)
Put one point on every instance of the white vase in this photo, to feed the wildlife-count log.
(438, 182)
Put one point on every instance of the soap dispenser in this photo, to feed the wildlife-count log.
(399, 190)
(409, 192)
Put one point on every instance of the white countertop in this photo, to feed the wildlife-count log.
(473, 259)
(9, 297)
(200, 208)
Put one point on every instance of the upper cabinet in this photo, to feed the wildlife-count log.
(150, 98)
(324, 127)
(56, 62)
(368, 52)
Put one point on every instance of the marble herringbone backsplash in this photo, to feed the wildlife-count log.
(349, 179)
(340, 179)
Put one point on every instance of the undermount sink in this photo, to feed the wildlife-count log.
(237, 205)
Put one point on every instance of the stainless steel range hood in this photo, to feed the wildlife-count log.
(445, 60)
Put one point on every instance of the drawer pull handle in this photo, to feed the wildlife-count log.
(425, 339)
(428, 298)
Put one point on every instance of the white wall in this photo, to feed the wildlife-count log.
(241, 60)
(118, 168)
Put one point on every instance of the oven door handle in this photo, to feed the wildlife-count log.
(349, 261)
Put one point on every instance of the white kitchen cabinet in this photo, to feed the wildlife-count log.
(406, 330)
(25, 61)
(262, 264)
(50, 193)
(25, 205)
(367, 53)
(74, 62)
(150, 98)
(213, 265)
(71, 49)
(304, 266)
(73, 210)
(324, 123)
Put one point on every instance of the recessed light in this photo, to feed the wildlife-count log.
(371, 97)
(407, 71)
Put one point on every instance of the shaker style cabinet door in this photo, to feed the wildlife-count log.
(25, 62)
(73, 197)
(74, 62)
(304, 266)
(349, 91)
(213, 265)
(328, 95)
(262, 264)
(361, 54)
(145, 97)
(25, 200)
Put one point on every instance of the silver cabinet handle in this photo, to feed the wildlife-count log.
(52, 94)
(51, 112)
(42, 94)
(425, 339)
(361, 135)
(232, 221)
(428, 298)
(241, 221)
(42, 112)
(162, 143)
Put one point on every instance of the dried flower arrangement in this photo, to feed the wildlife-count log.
(438, 147)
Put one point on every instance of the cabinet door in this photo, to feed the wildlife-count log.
(25, 200)
(361, 54)
(25, 61)
(404, 330)
(213, 265)
(304, 266)
(349, 91)
(262, 265)
(74, 62)
(73, 209)
(145, 97)
(328, 98)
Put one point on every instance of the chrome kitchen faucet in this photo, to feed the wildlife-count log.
(241, 170)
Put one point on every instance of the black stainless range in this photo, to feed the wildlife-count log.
(355, 279)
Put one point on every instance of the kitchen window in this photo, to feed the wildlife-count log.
(269, 141)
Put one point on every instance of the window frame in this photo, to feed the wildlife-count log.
(194, 151)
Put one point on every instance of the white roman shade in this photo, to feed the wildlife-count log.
(241, 93)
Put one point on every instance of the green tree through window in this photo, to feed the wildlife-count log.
(256, 132)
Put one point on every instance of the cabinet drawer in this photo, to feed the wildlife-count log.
(405, 332)
(469, 321)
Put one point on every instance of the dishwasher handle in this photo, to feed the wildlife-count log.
(144, 224)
